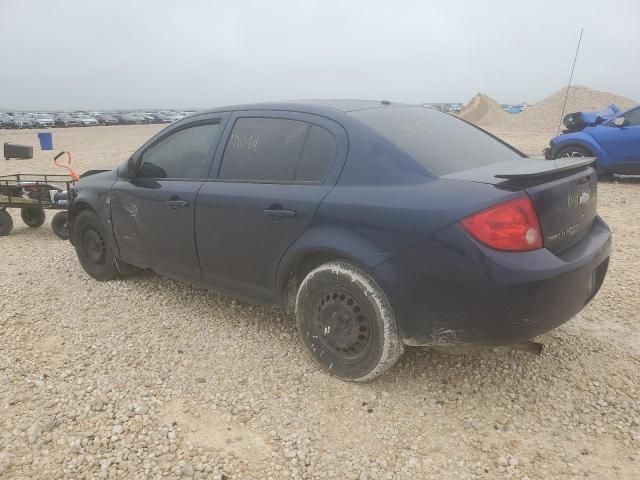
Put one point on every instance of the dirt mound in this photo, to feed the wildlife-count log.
(544, 116)
(483, 110)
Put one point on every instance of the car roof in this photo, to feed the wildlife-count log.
(312, 106)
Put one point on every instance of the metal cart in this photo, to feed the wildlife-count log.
(33, 194)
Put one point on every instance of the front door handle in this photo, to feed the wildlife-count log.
(279, 213)
(177, 203)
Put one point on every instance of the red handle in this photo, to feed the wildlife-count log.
(74, 175)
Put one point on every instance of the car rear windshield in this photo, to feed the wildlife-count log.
(441, 143)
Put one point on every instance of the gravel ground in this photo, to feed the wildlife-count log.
(149, 378)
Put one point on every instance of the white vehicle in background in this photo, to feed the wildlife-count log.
(175, 116)
(42, 120)
(86, 120)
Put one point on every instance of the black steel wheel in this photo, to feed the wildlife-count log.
(93, 246)
(347, 323)
(33, 217)
(6, 223)
(60, 225)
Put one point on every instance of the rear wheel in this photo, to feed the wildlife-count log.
(33, 217)
(93, 246)
(573, 151)
(6, 223)
(60, 225)
(346, 322)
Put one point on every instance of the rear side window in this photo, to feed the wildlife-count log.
(263, 149)
(318, 155)
(440, 143)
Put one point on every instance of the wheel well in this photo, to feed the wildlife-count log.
(75, 210)
(299, 270)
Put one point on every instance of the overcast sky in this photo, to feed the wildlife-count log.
(90, 54)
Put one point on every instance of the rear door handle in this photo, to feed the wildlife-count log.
(279, 212)
(177, 203)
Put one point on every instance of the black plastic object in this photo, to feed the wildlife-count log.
(13, 150)
(60, 225)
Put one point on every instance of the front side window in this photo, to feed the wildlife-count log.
(632, 117)
(186, 153)
(263, 149)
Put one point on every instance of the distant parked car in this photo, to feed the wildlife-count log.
(375, 231)
(22, 121)
(65, 120)
(104, 119)
(6, 121)
(127, 119)
(142, 117)
(86, 120)
(159, 117)
(610, 135)
(42, 120)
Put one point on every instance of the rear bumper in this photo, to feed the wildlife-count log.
(451, 290)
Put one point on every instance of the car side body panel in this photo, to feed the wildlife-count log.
(231, 216)
(379, 208)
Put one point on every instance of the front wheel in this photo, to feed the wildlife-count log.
(93, 246)
(33, 217)
(347, 323)
(573, 151)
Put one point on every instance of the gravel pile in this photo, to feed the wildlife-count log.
(544, 116)
(145, 377)
(483, 110)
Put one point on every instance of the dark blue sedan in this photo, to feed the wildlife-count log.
(380, 225)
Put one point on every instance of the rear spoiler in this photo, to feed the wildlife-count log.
(536, 170)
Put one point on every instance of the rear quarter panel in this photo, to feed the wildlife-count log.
(383, 203)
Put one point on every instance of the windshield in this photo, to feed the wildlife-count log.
(441, 143)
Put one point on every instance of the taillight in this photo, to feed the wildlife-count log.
(512, 226)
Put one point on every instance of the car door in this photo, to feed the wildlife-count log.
(153, 213)
(267, 182)
(622, 143)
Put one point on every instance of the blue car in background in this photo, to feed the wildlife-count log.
(610, 135)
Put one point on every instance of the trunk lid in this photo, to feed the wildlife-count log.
(564, 193)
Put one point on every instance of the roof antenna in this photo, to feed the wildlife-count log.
(570, 78)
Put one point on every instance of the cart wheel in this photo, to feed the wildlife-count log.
(6, 223)
(60, 225)
(33, 217)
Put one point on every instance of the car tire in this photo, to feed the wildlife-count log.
(346, 322)
(6, 223)
(574, 151)
(60, 225)
(33, 217)
(93, 246)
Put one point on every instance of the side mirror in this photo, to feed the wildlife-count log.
(127, 169)
(619, 121)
